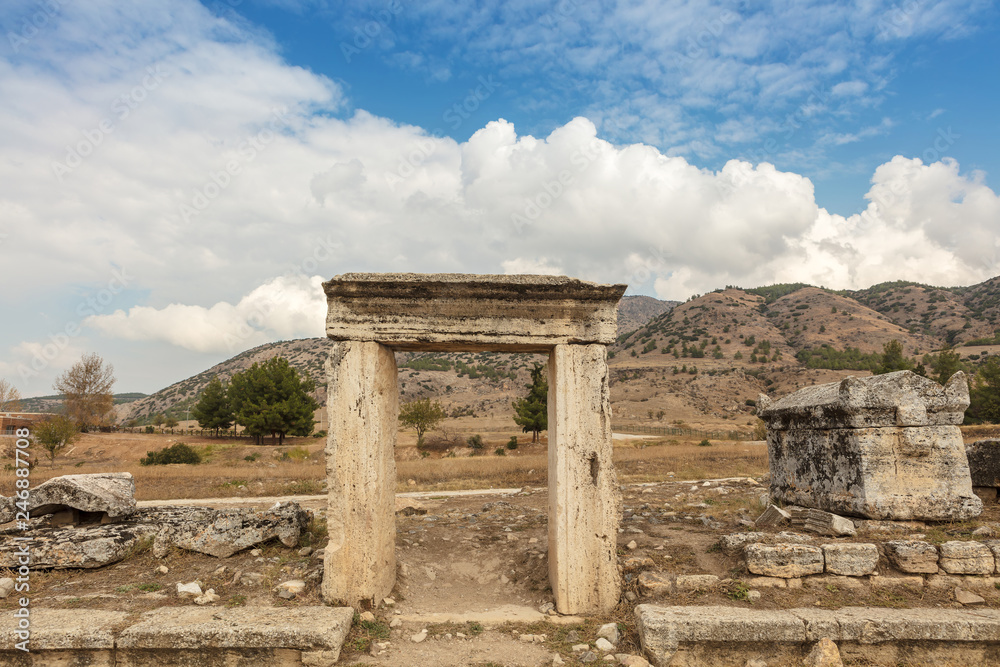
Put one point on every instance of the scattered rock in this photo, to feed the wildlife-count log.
(609, 631)
(305, 551)
(695, 582)
(755, 662)
(772, 516)
(74, 547)
(419, 637)
(207, 598)
(631, 545)
(557, 661)
(824, 654)
(588, 657)
(967, 598)
(6, 587)
(224, 532)
(753, 596)
(577, 648)
(293, 587)
(188, 590)
(734, 543)
(632, 660)
(826, 523)
(655, 584)
(367, 617)
(604, 645)
(395, 623)
(636, 563)
(110, 495)
(546, 607)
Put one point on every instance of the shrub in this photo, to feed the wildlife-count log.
(179, 453)
(512, 443)
(475, 441)
(705, 443)
(150, 429)
(500, 451)
(251, 457)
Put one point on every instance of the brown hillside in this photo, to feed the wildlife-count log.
(935, 312)
(634, 311)
(812, 317)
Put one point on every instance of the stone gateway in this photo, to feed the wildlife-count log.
(371, 316)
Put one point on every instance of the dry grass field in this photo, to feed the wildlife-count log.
(235, 468)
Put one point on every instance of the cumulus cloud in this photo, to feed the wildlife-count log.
(282, 308)
(237, 168)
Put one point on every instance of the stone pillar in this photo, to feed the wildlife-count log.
(362, 408)
(584, 502)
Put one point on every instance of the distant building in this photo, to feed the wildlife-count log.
(11, 421)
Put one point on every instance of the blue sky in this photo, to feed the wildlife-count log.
(178, 177)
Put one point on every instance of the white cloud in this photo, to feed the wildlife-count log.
(320, 194)
(282, 308)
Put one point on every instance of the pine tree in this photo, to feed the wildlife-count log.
(273, 398)
(985, 394)
(531, 412)
(893, 359)
(213, 410)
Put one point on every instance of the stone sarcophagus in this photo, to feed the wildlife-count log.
(881, 447)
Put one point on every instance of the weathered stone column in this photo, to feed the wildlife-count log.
(584, 502)
(363, 408)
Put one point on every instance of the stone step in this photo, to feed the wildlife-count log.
(730, 635)
(175, 636)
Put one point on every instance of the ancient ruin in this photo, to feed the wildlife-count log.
(880, 447)
(371, 316)
(90, 521)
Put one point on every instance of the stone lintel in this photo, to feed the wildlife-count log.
(469, 312)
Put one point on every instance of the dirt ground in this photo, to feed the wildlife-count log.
(483, 556)
(472, 569)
